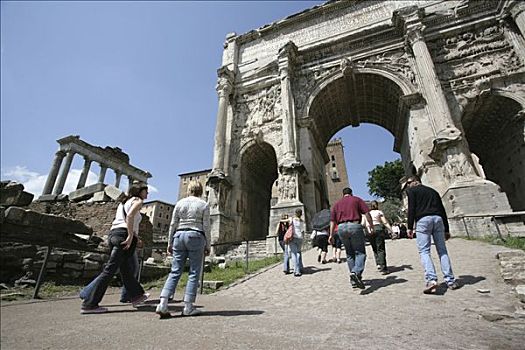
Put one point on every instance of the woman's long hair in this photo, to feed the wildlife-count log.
(134, 190)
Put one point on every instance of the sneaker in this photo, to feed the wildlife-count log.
(139, 300)
(358, 282)
(298, 274)
(454, 285)
(339, 261)
(430, 288)
(191, 312)
(324, 262)
(352, 283)
(162, 311)
(379, 267)
(287, 272)
(93, 310)
(319, 258)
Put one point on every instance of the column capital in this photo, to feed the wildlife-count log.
(286, 57)
(225, 81)
(405, 17)
(60, 153)
(414, 33)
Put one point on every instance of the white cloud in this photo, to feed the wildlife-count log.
(34, 182)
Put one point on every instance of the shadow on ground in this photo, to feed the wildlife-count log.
(376, 283)
(310, 270)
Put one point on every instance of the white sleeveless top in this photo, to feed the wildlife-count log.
(376, 216)
(120, 219)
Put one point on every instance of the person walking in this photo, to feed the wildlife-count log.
(296, 243)
(122, 241)
(321, 242)
(337, 245)
(377, 240)
(189, 238)
(346, 214)
(426, 210)
(282, 227)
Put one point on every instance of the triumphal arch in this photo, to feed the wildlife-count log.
(445, 78)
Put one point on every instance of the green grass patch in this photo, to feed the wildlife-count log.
(510, 242)
(234, 271)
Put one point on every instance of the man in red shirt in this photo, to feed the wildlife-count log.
(347, 213)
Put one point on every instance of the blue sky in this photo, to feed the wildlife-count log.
(136, 75)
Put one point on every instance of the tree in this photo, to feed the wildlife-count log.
(393, 210)
(383, 180)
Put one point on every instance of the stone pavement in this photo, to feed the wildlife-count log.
(318, 310)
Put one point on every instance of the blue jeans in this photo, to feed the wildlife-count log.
(124, 295)
(428, 228)
(118, 259)
(295, 250)
(353, 238)
(186, 244)
(286, 258)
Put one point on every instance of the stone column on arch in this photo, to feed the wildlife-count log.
(53, 173)
(286, 57)
(84, 174)
(516, 10)
(130, 182)
(59, 187)
(118, 176)
(512, 34)
(224, 89)
(102, 173)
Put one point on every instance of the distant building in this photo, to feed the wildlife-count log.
(336, 174)
(199, 176)
(159, 214)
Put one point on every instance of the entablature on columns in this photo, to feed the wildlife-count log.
(108, 157)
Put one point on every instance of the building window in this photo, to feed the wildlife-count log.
(158, 225)
(160, 215)
(333, 158)
(167, 216)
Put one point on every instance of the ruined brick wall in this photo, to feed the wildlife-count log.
(17, 259)
(97, 215)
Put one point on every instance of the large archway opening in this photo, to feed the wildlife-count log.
(258, 174)
(494, 129)
(351, 101)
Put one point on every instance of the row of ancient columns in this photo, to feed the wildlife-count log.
(55, 182)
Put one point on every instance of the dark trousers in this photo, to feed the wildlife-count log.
(377, 241)
(118, 259)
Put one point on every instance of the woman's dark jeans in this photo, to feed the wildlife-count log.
(377, 241)
(118, 259)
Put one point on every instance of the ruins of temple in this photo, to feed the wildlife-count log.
(108, 158)
(445, 78)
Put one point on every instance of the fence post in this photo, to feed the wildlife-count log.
(42, 273)
(247, 255)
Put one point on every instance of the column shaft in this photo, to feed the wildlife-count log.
(84, 174)
(518, 14)
(118, 175)
(53, 173)
(220, 132)
(102, 174)
(59, 187)
(288, 130)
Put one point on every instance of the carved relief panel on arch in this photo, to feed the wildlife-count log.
(466, 59)
(255, 110)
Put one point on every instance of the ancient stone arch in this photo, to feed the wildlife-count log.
(416, 68)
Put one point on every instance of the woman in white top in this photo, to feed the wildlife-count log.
(122, 241)
(297, 241)
(189, 239)
(377, 240)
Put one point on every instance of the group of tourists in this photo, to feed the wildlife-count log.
(189, 239)
(352, 222)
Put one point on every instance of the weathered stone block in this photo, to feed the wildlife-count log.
(86, 192)
(90, 265)
(96, 257)
(54, 223)
(114, 193)
(74, 266)
(510, 254)
(71, 256)
(101, 197)
(213, 284)
(14, 194)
